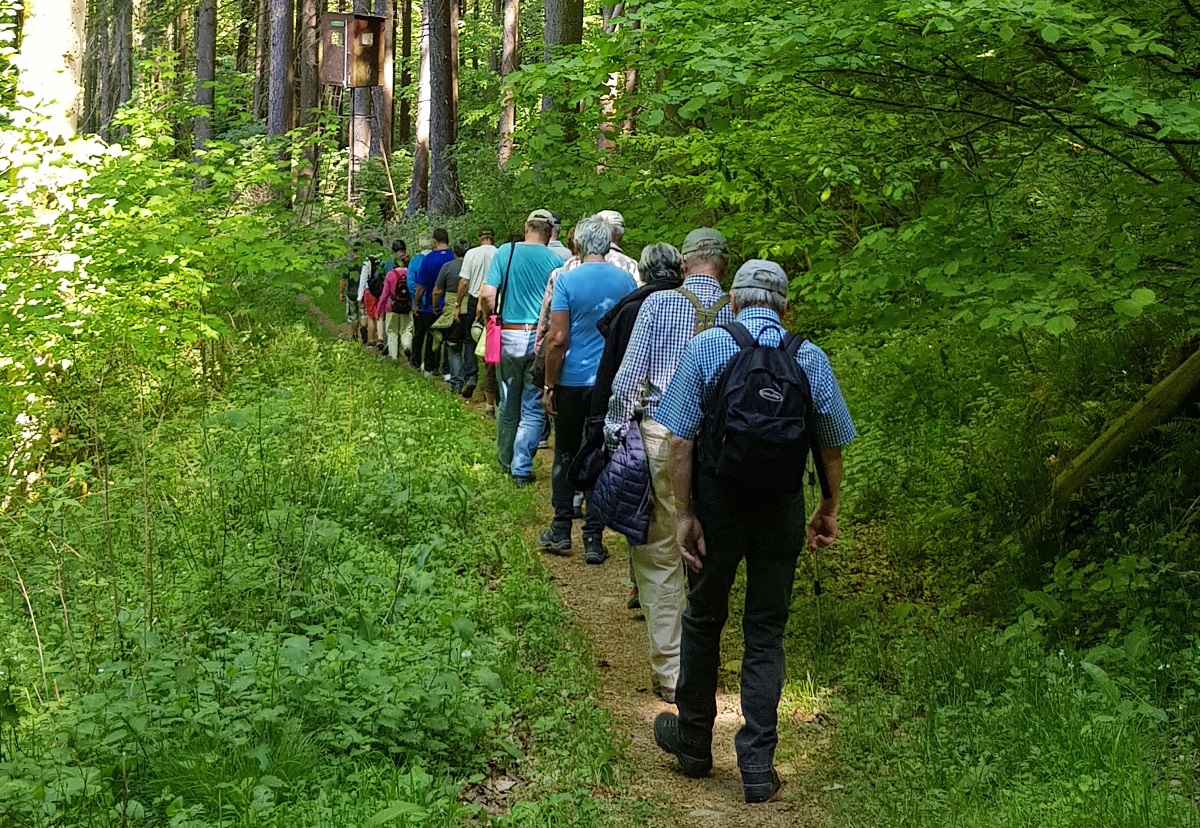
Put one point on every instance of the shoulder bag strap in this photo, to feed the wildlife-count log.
(500, 294)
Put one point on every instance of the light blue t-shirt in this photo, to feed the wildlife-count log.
(587, 293)
(521, 300)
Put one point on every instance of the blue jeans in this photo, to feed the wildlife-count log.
(454, 353)
(470, 361)
(770, 538)
(519, 415)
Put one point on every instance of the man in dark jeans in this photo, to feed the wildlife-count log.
(424, 352)
(574, 345)
(718, 528)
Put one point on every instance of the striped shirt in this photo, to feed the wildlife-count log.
(695, 381)
(665, 324)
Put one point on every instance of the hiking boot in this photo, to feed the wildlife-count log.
(523, 480)
(468, 390)
(593, 551)
(666, 736)
(634, 602)
(555, 539)
(761, 787)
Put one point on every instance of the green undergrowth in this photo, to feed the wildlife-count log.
(304, 602)
(965, 664)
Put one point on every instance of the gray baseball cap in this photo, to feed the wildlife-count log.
(541, 215)
(703, 239)
(762, 274)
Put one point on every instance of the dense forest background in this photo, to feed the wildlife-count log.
(990, 214)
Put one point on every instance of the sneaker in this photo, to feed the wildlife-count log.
(426, 374)
(666, 736)
(521, 481)
(593, 551)
(543, 444)
(634, 602)
(667, 694)
(555, 540)
(468, 390)
(446, 377)
(761, 787)
(490, 411)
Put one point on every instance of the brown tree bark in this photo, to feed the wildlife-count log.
(279, 95)
(508, 64)
(418, 192)
(245, 28)
(405, 71)
(121, 80)
(262, 63)
(445, 198)
(564, 27)
(309, 44)
(206, 66)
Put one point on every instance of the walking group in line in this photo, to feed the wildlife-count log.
(683, 417)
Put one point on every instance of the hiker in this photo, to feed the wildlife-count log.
(737, 456)
(424, 355)
(558, 248)
(376, 277)
(450, 324)
(666, 321)
(348, 293)
(616, 255)
(573, 348)
(474, 269)
(513, 288)
(397, 304)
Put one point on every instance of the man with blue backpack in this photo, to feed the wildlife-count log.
(747, 405)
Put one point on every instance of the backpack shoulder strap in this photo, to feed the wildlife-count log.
(791, 343)
(691, 297)
(718, 305)
(740, 335)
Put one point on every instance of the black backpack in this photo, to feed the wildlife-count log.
(375, 280)
(758, 429)
(401, 298)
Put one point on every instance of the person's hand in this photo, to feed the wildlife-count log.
(689, 537)
(456, 319)
(548, 403)
(822, 529)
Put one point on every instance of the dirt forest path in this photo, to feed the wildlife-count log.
(597, 596)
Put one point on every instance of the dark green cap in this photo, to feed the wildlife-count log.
(703, 239)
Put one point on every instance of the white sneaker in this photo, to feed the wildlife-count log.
(445, 377)
(425, 373)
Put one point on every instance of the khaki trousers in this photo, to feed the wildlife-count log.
(658, 570)
(399, 333)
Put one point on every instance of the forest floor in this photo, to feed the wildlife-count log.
(597, 596)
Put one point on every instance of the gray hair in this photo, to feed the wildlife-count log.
(425, 242)
(747, 297)
(708, 256)
(593, 236)
(660, 263)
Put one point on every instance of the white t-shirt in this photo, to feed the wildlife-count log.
(475, 267)
(363, 275)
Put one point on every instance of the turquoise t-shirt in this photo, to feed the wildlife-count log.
(587, 293)
(521, 301)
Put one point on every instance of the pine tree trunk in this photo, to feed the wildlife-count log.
(508, 64)
(206, 65)
(387, 102)
(51, 67)
(95, 63)
(280, 88)
(121, 46)
(405, 72)
(309, 44)
(444, 195)
(564, 27)
(262, 62)
(244, 29)
(418, 192)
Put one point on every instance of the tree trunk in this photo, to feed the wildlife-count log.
(206, 65)
(564, 27)
(121, 80)
(309, 44)
(508, 64)
(381, 110)
(262, 63)
(95, 64)
(418, 192)
(360, 112)
(279, 96)
(246, 18)
(444, 195)
(405, 72)
(51, 67)
(498, 21)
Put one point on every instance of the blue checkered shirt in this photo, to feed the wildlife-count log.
(665, 324)
(695, 381)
